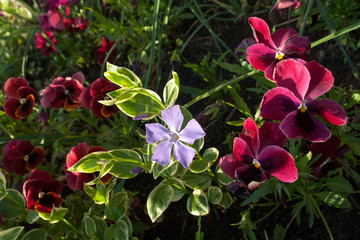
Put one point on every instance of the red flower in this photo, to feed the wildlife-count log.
(76, 180)
(20, 157)
(42, 44)
(280, 5)
(55, 4)
(75, 24)
(245, 43)
(330, 151)
(52, 20)
(65, 93)
(41, 192)
(20, 98)
(101, 52)
(270, 49)
(294, 101)
(257, 154)
(96, 92)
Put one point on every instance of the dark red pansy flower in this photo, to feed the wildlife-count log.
(43, 45)
(102, 51)
(330, 151)
(56, 4)
(42, 192)
(294, 102)
(52, 21)
(19, 98)
(75, 24)
(271, 49)
(96, 92)
(20, 157)
(257, 154)
(280, 5)
(76, 180)
(64, 93)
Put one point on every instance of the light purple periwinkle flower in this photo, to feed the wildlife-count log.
(173, 138)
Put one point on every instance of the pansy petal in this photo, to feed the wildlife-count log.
(277, 103)
(76, 153)
(321, 80)
(326, 149)
(297, 47)
(270, 134)
(330, 110)
(269, 72)
(10, 106)
(40, 175)
(52, 186)
(260, 56)
(229, 164)
(162, 153)
(55, 19)
(35, 157)
(282, 35)
(13, 84)
(242, 151)
(249, 173)
(184, 154)
(191, 132)
(173, 118)
(71, 178)
(86, 98)
(250, 135)
(156, 132)
(279, 163)
(261, 31)
(303, 125)
(292, 75)
(79, 76)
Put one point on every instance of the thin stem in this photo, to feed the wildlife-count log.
(307, 13)
(268, 214)
(322, 217)
(71, 226)
(26, 52)
(106, 58)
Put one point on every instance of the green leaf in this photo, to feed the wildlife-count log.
(334, 199)
(198, 166)
(125, 160)
(226, 200)
(11, 234)
(177, 185)
(117, 207)
(197, 203)
(197, 180)
(159, 169)
(122, 76)
(214, 194)
(171, 90)
(243, 107)
(199, 144)
(38, 234)
(266, 188)
(223, 178)
(2, 186)
(340, 184)
(211, 155)
(100, 226)
(234, 68)
(13, 204)
(91, 162)
(99, 194)
(57, 214)
(158, 200)
(32, 216)
(118, 231)
(90, 226)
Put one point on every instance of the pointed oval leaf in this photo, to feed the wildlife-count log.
(117, 207)
(158, 200)
(222, 177)
(13, 204)
(130, 77)
(197, 204)
(57, 214)
(118, 231)
(171, 90)
(197, 180)
(11, 233)
(90, 226)
(38, 234)
(214, 194)
(211, 155)
(226, 200)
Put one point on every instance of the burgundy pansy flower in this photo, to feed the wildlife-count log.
(330, 151)
(42, 44)
(257, 154)
(42, 192)
(20, 98)
(102, 51)
(75, 24)
(293, 101)
(52, 20)
(245, 43)
(20, 157)
(270, 49)
(65, 93)
(96, 92)
(76, 180)
(280, 5)
(56, 4)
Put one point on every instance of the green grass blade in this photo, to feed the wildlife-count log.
(25, 57)
(306, 16)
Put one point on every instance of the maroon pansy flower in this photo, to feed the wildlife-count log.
(76, 180)
(52, 21)
(280, 5)
(96, 92)
(244, 44)
(270, 49)
(42, 192)
(102, 51)
(42, 44)
(330, 151)
(293, 101)
(64, 93)
(75, 24)
(257, 154)
(20, 157)
(56, 4)
(20, 98)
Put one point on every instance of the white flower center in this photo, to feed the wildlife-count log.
(41, 194)
(22, 101)
(256, 163)
(302, 107)
(174, 137)
(279, 55)
(66, 92)
(26, 158)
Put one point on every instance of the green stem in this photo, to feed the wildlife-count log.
(217, 88)
(106, 58)
(268, 214)
(26, 52)
(307, 13)
(322, 217)
(71, 226)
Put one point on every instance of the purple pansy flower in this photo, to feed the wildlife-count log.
(293, 101)
(257, 154)
(173, 138)
(271, 49)
(280, 5)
